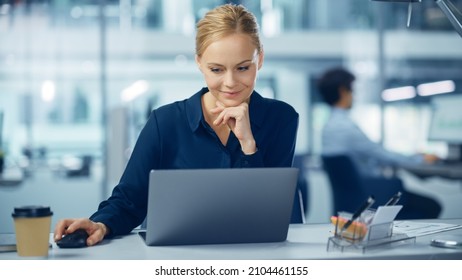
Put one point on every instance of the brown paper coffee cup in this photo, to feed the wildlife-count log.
(32, 227)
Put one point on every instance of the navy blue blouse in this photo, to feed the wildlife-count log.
(176, 136)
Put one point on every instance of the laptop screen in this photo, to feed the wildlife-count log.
(213, 206)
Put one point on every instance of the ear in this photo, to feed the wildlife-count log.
(261, 57)
(198, 62)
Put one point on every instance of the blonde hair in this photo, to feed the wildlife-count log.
(223, 21)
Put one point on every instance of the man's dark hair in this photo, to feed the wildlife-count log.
(330, 83)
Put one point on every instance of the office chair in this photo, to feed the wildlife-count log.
(301, 192)
(350, 189)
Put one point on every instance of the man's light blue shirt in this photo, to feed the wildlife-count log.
(342, 136)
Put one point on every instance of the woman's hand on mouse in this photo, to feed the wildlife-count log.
(96, 231)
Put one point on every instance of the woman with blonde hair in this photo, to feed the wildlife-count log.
(226, 124)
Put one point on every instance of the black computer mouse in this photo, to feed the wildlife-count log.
(76, 239)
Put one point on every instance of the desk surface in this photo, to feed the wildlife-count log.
(303, 242)
(449, 171)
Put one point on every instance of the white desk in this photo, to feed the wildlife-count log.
(448, 171)
(303, 242)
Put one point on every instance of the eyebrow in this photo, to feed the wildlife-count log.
(218, 64)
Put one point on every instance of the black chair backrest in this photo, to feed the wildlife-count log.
(347, 187)
(350, 188)
(301, 193)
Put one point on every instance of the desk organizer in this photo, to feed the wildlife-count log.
(362, 236)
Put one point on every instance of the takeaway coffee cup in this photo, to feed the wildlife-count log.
(32, 226)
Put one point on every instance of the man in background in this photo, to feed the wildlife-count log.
(341, 136)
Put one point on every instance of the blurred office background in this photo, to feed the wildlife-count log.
(78, 79)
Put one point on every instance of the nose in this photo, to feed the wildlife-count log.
(229, 80)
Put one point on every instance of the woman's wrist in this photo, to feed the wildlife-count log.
(249, 148)
(104, 228)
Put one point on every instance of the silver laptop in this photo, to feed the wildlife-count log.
(219, 206)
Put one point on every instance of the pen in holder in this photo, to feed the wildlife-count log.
(354, 226)
(358, 228)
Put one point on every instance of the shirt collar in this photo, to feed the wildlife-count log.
(338, 110)
(194, 109)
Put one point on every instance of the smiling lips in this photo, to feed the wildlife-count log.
(231, 94)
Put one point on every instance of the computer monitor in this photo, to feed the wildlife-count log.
(446, 123)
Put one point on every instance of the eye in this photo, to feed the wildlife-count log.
(243, 68)
(215, 70)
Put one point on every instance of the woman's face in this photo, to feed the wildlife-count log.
(230, 67)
